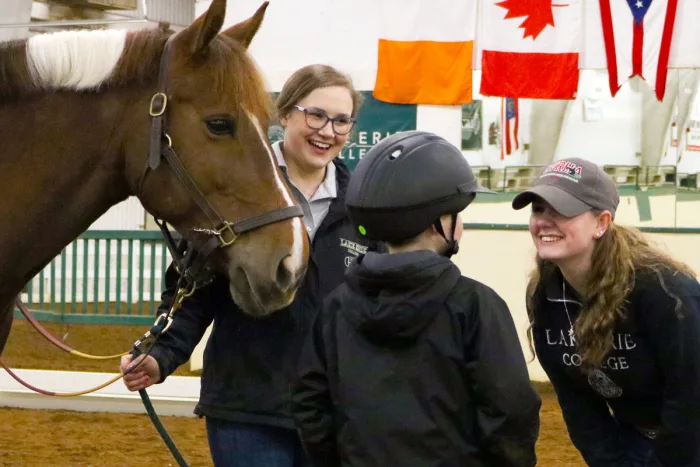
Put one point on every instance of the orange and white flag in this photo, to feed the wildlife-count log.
(425, 51)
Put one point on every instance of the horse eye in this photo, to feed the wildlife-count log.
(220, 126)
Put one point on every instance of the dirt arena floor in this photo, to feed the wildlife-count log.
(44, 438)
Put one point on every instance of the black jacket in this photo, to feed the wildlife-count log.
(650, 380)
(248, 361)
(411, 364)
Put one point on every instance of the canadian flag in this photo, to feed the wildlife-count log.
(531, 48)
(424, 51)
(638, 37)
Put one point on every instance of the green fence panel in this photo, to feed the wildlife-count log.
(118, 285)
(105, 277)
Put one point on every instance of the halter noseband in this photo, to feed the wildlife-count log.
(223, 233)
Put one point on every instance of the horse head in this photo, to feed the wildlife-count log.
(214, 110)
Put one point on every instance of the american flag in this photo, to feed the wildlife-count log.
(509, 126)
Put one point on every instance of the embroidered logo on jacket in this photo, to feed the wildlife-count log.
(603, 385)
(353, 249)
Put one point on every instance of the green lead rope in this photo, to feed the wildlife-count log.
(161, 429)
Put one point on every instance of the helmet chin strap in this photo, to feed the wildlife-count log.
(452, 245)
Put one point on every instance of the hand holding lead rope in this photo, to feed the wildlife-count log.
(141, 370)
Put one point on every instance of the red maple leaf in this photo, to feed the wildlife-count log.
(538, 14)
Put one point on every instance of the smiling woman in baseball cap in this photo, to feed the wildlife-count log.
(615, 324)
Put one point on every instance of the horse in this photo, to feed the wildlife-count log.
(177, 119)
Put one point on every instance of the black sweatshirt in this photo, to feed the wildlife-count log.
(649, 380)
(411, 364)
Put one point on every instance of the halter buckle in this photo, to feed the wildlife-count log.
(227, 227)
(159, 102)
(219, 233)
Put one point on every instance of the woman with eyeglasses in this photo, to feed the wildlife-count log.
(249, 362)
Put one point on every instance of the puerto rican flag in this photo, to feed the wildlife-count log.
(637, 36)
(509, 126)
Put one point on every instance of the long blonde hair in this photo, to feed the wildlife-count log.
(618, 256)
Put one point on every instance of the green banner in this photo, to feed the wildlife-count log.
(472, 129)
(376, 121)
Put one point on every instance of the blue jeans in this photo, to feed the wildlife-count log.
(639, 450)
(235, 444)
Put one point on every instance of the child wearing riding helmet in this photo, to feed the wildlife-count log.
(409, 363)
(615, 324)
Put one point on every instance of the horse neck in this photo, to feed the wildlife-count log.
(62, 168)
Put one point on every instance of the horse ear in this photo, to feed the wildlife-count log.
(200, 33)
(244, 31)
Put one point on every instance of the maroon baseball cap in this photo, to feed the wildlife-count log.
(572, 186)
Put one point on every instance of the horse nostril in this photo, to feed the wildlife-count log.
(286, 273)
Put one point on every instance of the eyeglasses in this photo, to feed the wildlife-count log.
(318, 118)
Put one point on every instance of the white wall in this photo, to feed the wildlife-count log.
(15, 12)
(126, 215)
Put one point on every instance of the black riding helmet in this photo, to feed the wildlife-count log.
(405, 183)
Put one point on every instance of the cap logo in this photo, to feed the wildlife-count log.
(564, 169)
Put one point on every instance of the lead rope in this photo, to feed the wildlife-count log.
(182, 293)
(160, 326)
(161, 429)
(55, 341)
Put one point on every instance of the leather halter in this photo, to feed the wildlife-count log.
(224, 233)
